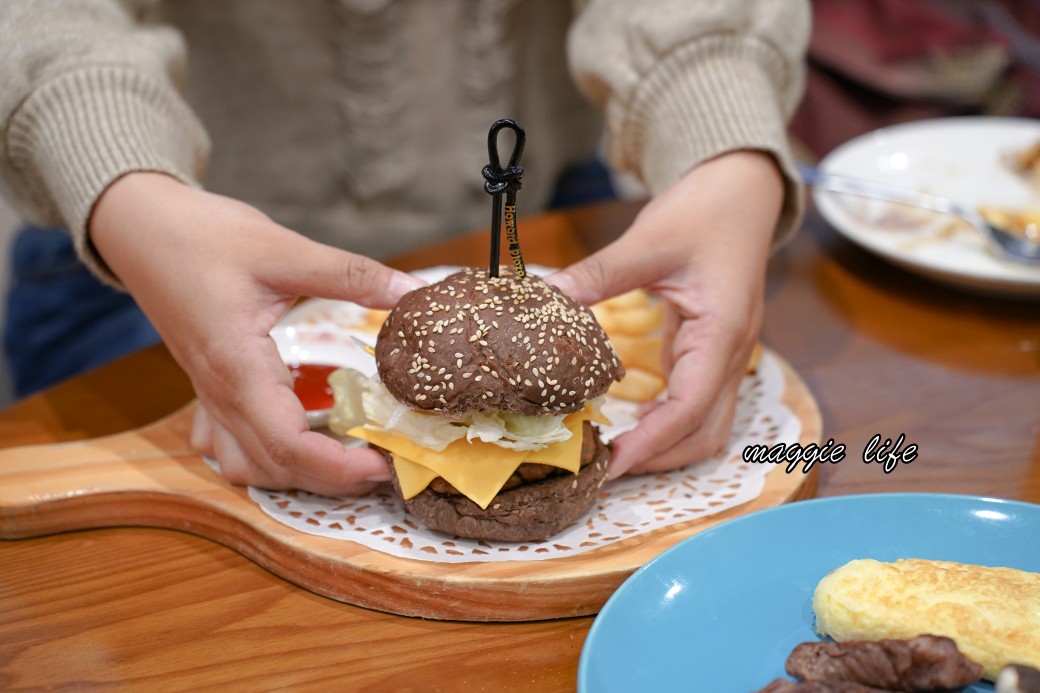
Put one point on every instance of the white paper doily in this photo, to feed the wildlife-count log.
(626, 506)
(323, 331)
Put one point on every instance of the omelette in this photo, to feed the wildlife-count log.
(993, 614)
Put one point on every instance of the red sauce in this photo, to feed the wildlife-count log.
(311, 385)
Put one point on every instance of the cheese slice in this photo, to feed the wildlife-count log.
(412, 476)
(477, 469)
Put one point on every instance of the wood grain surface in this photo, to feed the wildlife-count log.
(149, 477)
(147, 609)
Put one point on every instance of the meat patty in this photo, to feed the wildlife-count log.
(1018, 678)
(532, 510)
(924, 663)
(529, 472)
(785, 686)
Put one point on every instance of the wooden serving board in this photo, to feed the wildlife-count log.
(150, 477)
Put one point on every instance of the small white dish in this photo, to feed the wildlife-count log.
(321, 344)
(960, 158)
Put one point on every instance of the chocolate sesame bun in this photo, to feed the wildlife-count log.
(537, 502)
(511, 344)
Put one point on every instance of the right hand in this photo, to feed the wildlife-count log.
(702, 247)
(214, 275)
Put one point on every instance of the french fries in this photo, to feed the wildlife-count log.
(632, 313)
(373, 320)
(642, 353)
(633, 323)
(637, 386)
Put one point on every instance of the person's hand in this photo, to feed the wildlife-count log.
(214, 275)
(702, 247)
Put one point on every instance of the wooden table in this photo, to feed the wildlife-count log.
(883, 351)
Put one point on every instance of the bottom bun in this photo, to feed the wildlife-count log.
(531, 511)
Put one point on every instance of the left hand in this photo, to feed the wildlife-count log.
(214, 275)
(702, 247)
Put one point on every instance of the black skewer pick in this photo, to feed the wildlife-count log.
(504, 181)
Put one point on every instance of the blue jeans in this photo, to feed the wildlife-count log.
(62, 321)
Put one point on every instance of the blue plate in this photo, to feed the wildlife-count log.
(721, 610)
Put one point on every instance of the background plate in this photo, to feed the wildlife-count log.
(960, 158)
(722, 610)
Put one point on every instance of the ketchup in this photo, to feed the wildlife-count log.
(311, 385)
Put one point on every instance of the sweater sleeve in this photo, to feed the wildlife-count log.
(682, 81)
(88, 93)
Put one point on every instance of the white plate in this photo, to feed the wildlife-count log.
(960, 158)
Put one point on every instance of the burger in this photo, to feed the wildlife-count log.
(485, 402)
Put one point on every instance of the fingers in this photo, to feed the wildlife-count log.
(658, 244)
(695, 421)
(293, 454)
(622, 266)
(308, 461)
(201, 439)
(354, 472)
(319, 270)
(693, 397)
(708, 439)
(254, 425)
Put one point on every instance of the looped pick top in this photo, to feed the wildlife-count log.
(504, 181)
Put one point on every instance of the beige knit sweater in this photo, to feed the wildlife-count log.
(363, 123)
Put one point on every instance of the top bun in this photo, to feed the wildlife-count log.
(475, 342)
